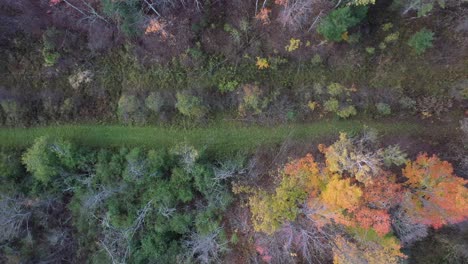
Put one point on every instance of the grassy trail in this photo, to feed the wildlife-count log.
(219, 138)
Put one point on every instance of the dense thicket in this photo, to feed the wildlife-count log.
(124, 205)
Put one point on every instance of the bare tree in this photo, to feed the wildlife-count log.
(12, 218)
(116, 241)
(84, 8)
(296, 242)
(166, 211)
(205, 248)
(228, 169)
(295, 13)
(310, 242)
(405, 229)
(187, 155)
(94, 199)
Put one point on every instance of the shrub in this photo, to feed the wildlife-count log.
(80, 77)
(293, 45)
(154, 102)
(130, 110)
(382, 45)
(331, 105)
(251, 100)
(336, 89)
(235, 34)
(387, 26)
(383, 109)
(227, 78)
(421, 41)
(429, 106)
(12, 111)
(316, 60)
(393, 155)
(67, 107)
(392, 37)
(407, 103)
(262, 63)
(190, 106)
(48, 49)
(228, 86)
(337, 23)
(370, 50)
(347, 111)
(50, 58)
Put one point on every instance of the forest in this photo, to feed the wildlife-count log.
(234, 131)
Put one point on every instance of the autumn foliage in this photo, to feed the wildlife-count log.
(353, 191)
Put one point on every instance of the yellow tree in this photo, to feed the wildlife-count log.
(270, 211)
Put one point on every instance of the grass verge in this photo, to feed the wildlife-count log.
(219, 138)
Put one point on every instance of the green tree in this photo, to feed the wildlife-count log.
(336, 24)
(47, 158)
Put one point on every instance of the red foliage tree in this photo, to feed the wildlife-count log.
(377, 219)
(437, 196)
(383, 192)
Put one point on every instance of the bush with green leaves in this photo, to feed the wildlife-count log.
(331, 105)
(393, 155)
(49, 51)
(190, 106)
(131, 110)
(383, 109)
(407, 103)
(347, 111)
(421, 41)
(12, 112)
(338, 21)
(253, 100)
(154, 102)
(336, 89)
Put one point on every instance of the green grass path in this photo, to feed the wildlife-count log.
(223, 137)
